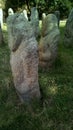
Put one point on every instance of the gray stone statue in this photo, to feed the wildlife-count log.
(24, 57)
(57, 13)
(1, 17)
(49, 41)
(35, 21)
(10, 11)
(43, 15)
(68, 34)
(25, 14)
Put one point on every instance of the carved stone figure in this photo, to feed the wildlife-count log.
(35, 21)
(10, 11)
(49, 41)
(57, 13)
(25, 14)
(68, 35)
(1, 17)
(24, 57)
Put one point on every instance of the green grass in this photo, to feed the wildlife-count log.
(55, 111)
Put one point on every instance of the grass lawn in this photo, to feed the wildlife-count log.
(55, 112)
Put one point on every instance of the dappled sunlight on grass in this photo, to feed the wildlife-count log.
(4, 27)
(40, 24)
(53, 90)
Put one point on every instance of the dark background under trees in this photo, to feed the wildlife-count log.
(43, 6)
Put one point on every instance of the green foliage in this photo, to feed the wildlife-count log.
(14, 4)
(47, 6)
(63, 6)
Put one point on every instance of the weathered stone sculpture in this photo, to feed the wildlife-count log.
(1, 17)
(35, 21)
(43, 16)
(57, 13)
(49, 41)
(25, 14)
(10, 11)
(68, 35)
(24, 57)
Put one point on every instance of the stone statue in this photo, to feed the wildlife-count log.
(57, 13)
(1, 17)
(25, 14)
(35, 21)
(68, 34)
(49, 41)
(24, 57)
(10, 11)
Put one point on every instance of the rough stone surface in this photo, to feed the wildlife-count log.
(24, 57)
(1, 17)
(10, 11)
(43, 16)
(49, 41)
(35, 21)
(25, 14)
(57, 13)
(68, 34)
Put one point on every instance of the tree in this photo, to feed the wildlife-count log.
(47, 6)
